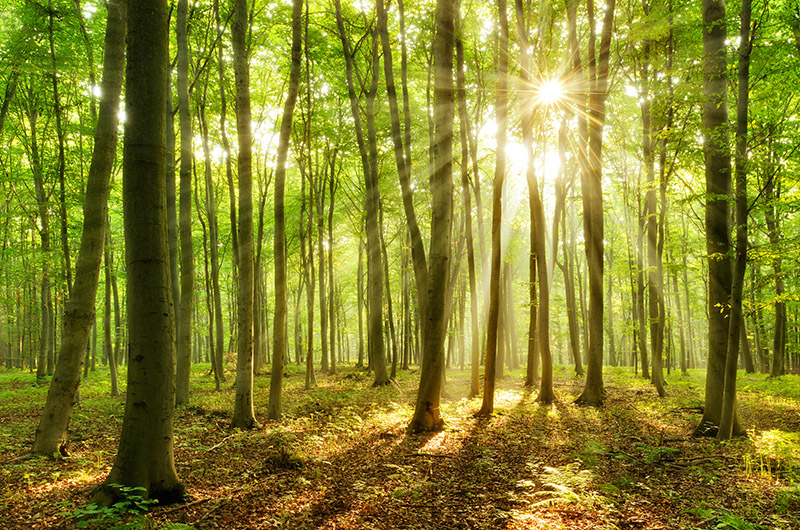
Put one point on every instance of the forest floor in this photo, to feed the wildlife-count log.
(342, 458)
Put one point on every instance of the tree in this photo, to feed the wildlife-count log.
(368, 151)
(736, 324)
(426, 412)
(592, 189)
(501, 108)
(184, 320)
(275, 408)
(79, 313)
(718, 190)
(145, 455)
(243, 413)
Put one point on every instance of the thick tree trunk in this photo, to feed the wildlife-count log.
(80, 309)
(145, 456)
(718, 188)
(591, 184)
(427, 415)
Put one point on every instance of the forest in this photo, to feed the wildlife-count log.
(413, 264)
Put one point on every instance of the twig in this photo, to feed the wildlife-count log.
(212, 510)
(220, 444)
(437, 455)
(184, 506)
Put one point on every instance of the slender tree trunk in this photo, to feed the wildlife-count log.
(217, 348)
(650, 223)
(108, 351)
(243, 414)
(402, 155)
(360, 282)
(538, 241)
(463, 119)
(323, 304)
(184, 320)
(331, 291)
(279, 350)
(487, 407)
(728, 425)
(80, 308)
(61, 163)
(369, 164)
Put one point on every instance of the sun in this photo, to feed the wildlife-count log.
(550, 91)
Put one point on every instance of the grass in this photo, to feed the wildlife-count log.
(342, 459)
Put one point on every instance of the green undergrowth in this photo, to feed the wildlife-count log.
(525, 460)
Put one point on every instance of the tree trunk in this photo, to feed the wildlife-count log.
(80, 308)
(650, 222)
(331, 291)
(463, 119)
(540, 311)
(243, 414)
(369, 164)
(501, 104)
(217, 348)
(728, 425)
(427, 415)
(145, 456)
(184, 320)
(61, 164)
(279, 350)
(718, 189)
(402, 161)
(108, 351)
(323, 304)
(591, 184)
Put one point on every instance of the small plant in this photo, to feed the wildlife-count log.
(654, 455)
(132, 505)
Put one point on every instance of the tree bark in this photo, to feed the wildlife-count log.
(184, 320)
(728, 419)
(243, 414)
(718, 189)
(538, 241)
(591, 183)
(279, 350)
(145, 456)
(501, 104)
(427, 415)
(463, 119)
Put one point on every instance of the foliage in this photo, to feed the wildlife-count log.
(128, 509)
